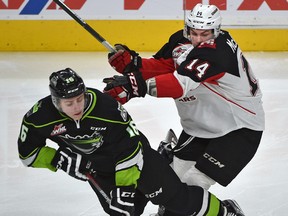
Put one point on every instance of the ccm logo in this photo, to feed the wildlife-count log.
(154, 194)
(213, 160)
(134, 85)
(127, 194)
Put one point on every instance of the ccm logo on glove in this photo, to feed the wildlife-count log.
(134, 84)
(127, 194)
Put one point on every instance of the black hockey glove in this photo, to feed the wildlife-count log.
(125, 87)
(124, 60)
(72, 163)
(122, 201)
(166, 146)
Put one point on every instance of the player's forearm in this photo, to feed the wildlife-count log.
(164, 86)
(153, 67)
(40, 158)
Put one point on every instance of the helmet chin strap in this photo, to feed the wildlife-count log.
(56, 103)
(87, 99)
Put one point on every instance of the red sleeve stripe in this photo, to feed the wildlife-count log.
(154, 67)
(168, 86)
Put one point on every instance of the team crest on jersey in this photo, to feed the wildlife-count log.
(58, 129)
(86, 143)
(179, 50)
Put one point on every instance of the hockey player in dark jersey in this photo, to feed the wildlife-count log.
(217, 96)
(97, 137)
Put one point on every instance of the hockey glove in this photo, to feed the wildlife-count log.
(122, 201)
(166, 146)
(72, 163)
(125, 87)
(124, 60)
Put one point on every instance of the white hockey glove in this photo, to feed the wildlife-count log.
(122, 201)
(72, 163)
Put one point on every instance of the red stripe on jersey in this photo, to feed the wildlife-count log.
(230, 101)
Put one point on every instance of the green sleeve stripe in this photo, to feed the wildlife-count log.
(32, 153)
(132, 155)
(214, 206)
(44, 158)
(129, 169)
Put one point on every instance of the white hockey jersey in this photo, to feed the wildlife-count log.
(220, 91)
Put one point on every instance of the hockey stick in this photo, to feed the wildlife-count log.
(85, 26)
(184, 8)
(97, 186)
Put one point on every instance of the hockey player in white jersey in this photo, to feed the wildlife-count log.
(215, 91)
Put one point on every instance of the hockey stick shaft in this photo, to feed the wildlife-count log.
(97, 186)
(86, 26)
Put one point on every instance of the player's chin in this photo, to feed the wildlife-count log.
(77, 117)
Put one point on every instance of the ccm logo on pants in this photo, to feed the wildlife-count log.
(154, 194)
(213, 160)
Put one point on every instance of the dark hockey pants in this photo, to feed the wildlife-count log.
(159, 184)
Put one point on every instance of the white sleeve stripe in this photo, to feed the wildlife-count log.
(136, 160)
(28, 161)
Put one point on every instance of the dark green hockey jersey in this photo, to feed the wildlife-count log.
(105, 135)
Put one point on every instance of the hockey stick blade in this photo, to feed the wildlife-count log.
(97, 186)
(86, 26)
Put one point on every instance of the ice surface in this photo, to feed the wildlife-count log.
(261, 188)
